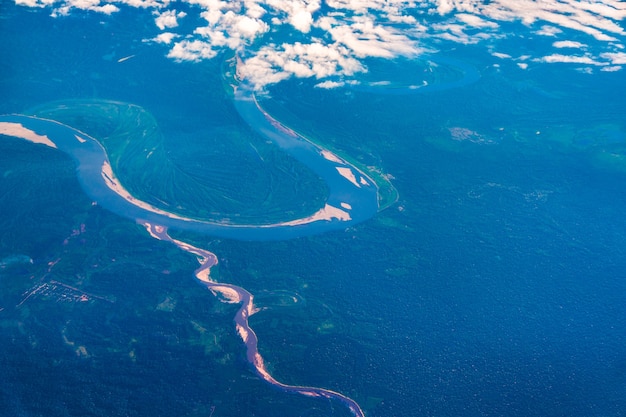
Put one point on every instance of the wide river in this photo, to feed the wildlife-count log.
(353, 197)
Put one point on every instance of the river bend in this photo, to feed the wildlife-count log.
(353, 197)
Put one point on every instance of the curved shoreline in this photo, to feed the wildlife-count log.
(353, 198)
(352, 194)
(381, 181)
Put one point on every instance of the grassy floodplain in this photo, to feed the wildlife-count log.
(225, 177)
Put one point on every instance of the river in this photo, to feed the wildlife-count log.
(353, 197)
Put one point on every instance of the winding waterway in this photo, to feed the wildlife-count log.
(353, 197)
(233, 294)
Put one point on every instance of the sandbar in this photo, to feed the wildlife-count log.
(349, 175)
(19, 131)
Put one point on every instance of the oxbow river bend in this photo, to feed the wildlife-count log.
(353, 197)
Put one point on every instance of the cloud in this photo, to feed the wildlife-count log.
(570, 59)
(568, 44)
(276, 63)
(187, 50)
(230, 26)
(279, 39)
(302, 20)
(365, 38)
(168, 19)
(328, 85)
(32, 3)
(600, 22)
(165, 38)
(501, 55)
(65, 9)
(616, 58)
(298, 13)
(475, 21)
(593, 18)
(549, 31)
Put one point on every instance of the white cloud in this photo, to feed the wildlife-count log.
(165, 38)
(616, 58)
(299, 12)
(249, 28)
(146, 4)
(87, 5)
(333, 41)
(501, 55)
(168, 19)
(475, 21)
(594, 18)
(612, 68)
(568, 44)
(108, 9)
(229, 26)
(328, 85)
(570, 59)
(302, 20)
(549, 31)
(273, 64)
(33, 3)
(445, 6)
(365, 38)
(191, 51)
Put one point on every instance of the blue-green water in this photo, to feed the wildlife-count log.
(494, 286)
